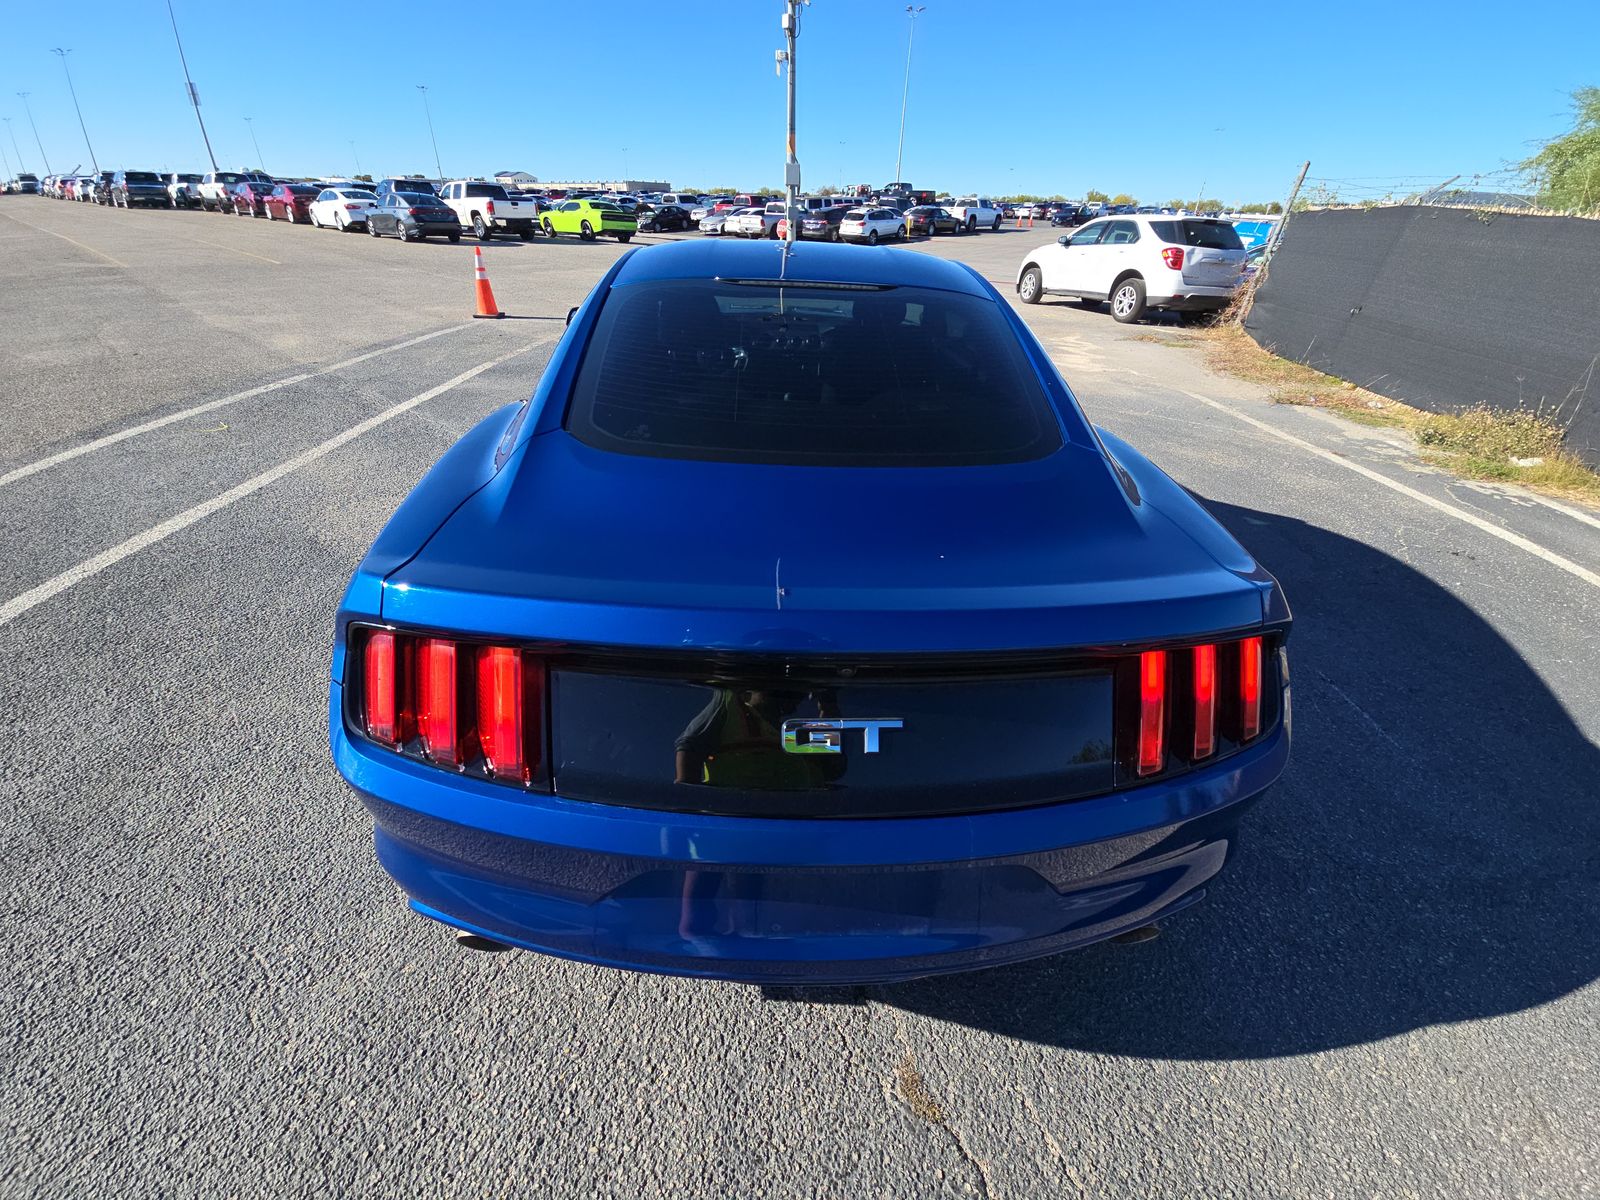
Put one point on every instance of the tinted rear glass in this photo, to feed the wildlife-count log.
(1212, 235)
(491, 190)
(814, 375)
(140, 177)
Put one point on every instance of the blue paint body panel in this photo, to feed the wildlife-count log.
(522, 532)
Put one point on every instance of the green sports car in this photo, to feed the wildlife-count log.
(589, 219)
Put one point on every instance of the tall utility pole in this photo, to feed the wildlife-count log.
(355, 155)
(260, 162)
(22, 167)
(791, 164)
(194, 95)
(423, 88)
(62, 54)
(7, 161)
(29, 110)
(905, 92)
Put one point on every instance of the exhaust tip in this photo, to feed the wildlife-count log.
(1134, 937)
(468, 940)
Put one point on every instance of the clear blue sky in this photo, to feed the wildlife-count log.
(1003, 98)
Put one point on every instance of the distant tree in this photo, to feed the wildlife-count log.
(1567, 170)
(1095, 197)
(828, 191)
(1175, 203)
(1123, 198)
(363, 178)
(1275, 209)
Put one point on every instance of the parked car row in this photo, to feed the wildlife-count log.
(408, 208)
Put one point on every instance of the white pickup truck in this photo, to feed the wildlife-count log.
(976, 212)
(487, 209)
(214, 185)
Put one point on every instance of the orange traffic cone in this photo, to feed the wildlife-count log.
(486, 305)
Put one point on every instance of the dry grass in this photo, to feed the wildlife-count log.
(908, 1082)
(1479, 443)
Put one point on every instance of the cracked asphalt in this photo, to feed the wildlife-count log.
(212, 990)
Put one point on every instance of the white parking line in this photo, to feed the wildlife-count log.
(65, 238)
(235, 249)
(1394, 485)
(112, 439)
(54, 586)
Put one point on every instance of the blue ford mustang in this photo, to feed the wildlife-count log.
(801, 628)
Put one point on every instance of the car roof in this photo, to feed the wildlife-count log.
(811, 261)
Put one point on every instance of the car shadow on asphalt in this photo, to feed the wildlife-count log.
(1429, 856)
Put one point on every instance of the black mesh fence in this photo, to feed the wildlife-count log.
(1444, 309)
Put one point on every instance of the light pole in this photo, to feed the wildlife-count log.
(791, 165)
(7, 161)
(62, 54)
(194, 94)
(356, 156)
(260, 162)
(22, 167)
(29, 110)
(905, 92)
(423, 88)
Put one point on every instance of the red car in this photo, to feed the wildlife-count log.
(249, 199)
(291, 202)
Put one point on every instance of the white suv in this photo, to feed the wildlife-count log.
(870, 225)
(1187, 264)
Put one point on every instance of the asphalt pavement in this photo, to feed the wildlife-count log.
(212, 988)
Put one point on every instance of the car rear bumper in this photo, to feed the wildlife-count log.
(798, 901)
(1194, 298)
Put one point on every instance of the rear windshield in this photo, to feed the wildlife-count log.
(354, 195)
(228, 177)
(140, 177)
(1213, 235)
(492, 191)
(808, 375)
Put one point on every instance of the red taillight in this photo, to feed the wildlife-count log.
(411, 212)
(501, 704)
(1152, 710)
(1173, 255)
(1249, 688)
(1204, 674)
(478, 709)
(488, 207)
(351, 207)
(380, 675)
(436, 700)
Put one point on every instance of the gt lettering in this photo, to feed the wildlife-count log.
(825, 735)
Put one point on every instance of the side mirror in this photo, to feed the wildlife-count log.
(1065, 239)
(571, 312)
